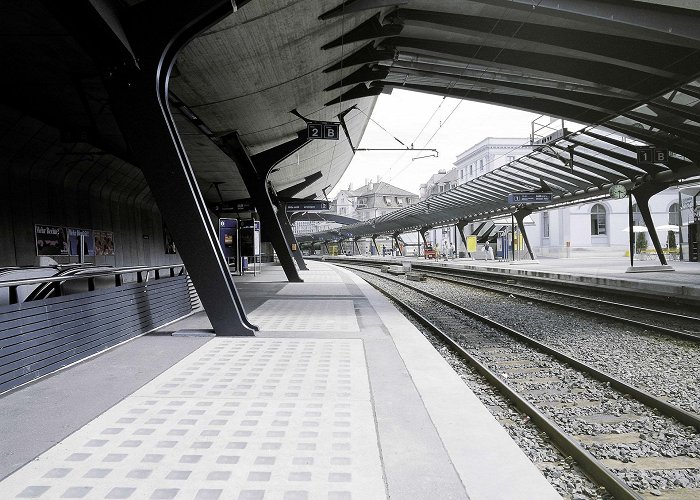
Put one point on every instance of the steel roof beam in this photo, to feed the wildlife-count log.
(565, 96)
(592, 71)
(632, 53)
(544, 106)
(676, 25)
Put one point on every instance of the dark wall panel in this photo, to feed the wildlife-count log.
(43, 336)
(46, 181)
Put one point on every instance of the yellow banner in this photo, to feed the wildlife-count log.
(471, 244)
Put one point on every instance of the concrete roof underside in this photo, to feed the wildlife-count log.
(588, 61)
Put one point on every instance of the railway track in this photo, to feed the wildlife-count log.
(627, 440)
(675, 324)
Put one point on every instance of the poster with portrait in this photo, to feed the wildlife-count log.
(51, 240)
(104, 243)
(74, 235)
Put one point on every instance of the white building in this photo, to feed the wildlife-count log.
(489, 154)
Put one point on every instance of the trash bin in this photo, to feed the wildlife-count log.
(462, 255)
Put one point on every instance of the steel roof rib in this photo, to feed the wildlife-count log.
(589, 178)
(630, 172)
(512, 183)
(683, 130)
(686, 148)
(556, 180)
(502, 174)
(649, 168)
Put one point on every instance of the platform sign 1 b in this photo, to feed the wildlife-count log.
(323, 130)
(646, 155)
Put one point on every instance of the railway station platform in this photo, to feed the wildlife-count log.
(681, 281)
(338, 396)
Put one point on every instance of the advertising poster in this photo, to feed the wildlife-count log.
(471, 244)
(250, 237)
(74, 235)
(104, 243)
(51, 240)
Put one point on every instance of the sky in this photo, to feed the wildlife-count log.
(449, 125)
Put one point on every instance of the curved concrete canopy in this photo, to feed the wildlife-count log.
(590, 61)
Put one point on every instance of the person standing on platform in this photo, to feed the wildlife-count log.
(487, 251)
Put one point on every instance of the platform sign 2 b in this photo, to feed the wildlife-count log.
(323, 130)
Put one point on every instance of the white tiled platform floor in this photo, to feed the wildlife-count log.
(306, 315)
(239, 419)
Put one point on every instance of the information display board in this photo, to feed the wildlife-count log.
(520, 198)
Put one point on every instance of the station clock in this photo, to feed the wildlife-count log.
(617, 191)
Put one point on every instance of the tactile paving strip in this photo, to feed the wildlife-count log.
(241, 419)
(324, 289)
(306, 316)
(320, 276)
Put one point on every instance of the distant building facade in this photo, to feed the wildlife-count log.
(374, 199)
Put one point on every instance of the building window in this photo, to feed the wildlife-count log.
(545, 224)
(471, 170)
(511, 158)
(674, 215)
(481, 165)
(598, 220)
(461, 173)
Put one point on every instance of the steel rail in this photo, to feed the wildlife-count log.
(591, 465)
(668, 409)
(662, 329)
(570, 295)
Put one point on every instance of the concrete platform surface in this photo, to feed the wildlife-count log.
(337, 397)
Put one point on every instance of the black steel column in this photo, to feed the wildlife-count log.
(374, 240)
(642, 195)
(156, 30)
(396, 239)
(422, 232)
(289, 236)
(461, 224)
(519, 217)
(256, 183)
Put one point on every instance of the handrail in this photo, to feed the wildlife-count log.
(116, 273)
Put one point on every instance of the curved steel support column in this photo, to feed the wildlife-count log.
(156, 31)
(255, 180)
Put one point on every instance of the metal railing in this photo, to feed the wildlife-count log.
(143, 274)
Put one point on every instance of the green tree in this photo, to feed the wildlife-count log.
(641, 242)
(672, 240)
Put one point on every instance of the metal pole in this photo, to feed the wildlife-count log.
(512, 235)
(680, 226)
(81, 252)
(631, 224)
